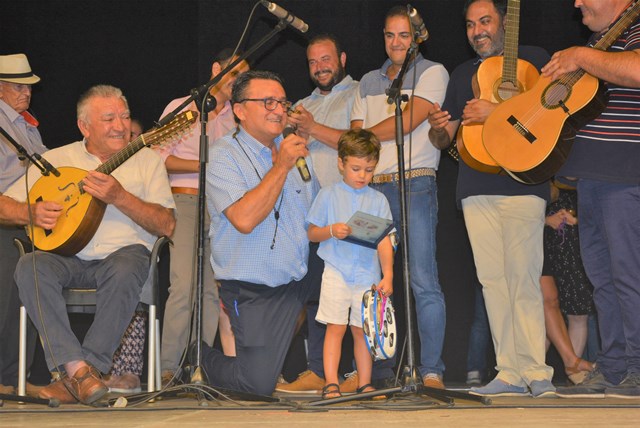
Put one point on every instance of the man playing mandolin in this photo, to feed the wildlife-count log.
(139, 207)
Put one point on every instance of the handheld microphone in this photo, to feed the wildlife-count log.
(420, 30)
(301, 163)
(284, 14)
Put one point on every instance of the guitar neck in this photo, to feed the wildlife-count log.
(627, 18)
(608, 39)
(511, 38)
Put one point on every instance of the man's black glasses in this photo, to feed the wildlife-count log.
(270, 103)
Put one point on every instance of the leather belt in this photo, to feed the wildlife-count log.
(390, 178)
(185, 190)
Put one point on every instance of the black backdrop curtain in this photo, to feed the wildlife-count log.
(157, 50)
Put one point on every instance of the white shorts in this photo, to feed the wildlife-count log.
(337, 298)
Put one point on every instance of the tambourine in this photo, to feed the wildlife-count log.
(379, 324)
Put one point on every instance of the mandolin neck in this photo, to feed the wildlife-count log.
(119, 158)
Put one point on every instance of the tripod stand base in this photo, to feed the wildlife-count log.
(412, 387)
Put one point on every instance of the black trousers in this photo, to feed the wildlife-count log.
(9, 309)
(263, 320)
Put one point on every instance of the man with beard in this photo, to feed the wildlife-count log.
(425, 83)
(324, 116)
(504, 219)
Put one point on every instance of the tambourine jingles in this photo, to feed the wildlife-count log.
(379, 324)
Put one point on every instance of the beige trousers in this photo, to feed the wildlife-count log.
(506, 238)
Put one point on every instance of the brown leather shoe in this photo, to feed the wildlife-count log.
(59, 391)
(7, 389)
(86, 385)
(33, 390)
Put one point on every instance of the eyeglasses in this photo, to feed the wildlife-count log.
(270, 103)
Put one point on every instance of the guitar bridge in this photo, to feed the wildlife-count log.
(521, 129)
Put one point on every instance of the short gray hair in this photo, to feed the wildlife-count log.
(102, 91)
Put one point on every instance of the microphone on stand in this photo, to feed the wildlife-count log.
(420, 30)
(284, 14)
(47, 166)
(301, 163)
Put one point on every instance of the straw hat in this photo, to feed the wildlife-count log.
(16, 69)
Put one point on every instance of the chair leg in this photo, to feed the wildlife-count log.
(22, 353)
(151, 355)
(158, 361)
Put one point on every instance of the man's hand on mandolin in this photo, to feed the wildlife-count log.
(103, 187)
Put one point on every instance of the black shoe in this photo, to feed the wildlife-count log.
(628, 388)
(384, 383)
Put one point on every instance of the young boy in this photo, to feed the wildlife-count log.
(350, 269)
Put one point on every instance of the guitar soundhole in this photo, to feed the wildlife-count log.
(507, 90)
(555, 95)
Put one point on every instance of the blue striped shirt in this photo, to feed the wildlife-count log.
(249, 257)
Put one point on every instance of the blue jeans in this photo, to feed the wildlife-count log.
(479, 336)
(422, 215)
(609, 244)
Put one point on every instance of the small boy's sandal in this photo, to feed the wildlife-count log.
(330, 389)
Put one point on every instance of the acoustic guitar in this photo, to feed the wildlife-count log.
(531, 134)
(498, 79)
(82, 213)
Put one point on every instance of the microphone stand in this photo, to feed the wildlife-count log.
(45, 169)
(200, 95)
(205, 104)
(412, 382)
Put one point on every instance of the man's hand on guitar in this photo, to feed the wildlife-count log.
(104, 187)
(477, 111)
(45, 214)
(562, 62)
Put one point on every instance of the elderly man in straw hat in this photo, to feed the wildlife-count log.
(16, 79)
